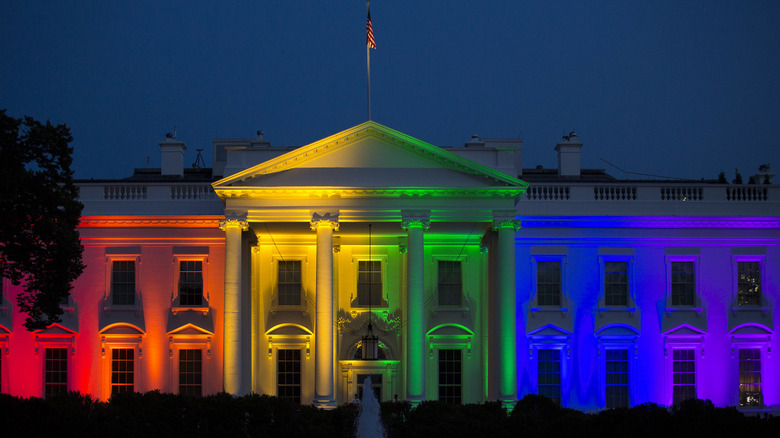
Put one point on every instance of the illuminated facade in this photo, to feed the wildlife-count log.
(484, 281)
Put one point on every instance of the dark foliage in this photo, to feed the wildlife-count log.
(168, 415)
(39, 244)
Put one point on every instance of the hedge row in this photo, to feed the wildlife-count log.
(158, 414)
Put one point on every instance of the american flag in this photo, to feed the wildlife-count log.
(370, 32)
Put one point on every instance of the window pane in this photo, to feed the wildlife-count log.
(548, 283)
(616, 283)
(683, 375)
(549, 374)
(750, 377)
(289, 283)
(450, 283)
(288, 375)
(122, 370)
(123, 282)
(190, 283)
(450, 376)
(617, 379)
(55, 379)
(748, 283)
(683, 283)
(190, 372)
(369, 286)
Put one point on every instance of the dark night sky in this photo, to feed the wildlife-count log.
(683, 88)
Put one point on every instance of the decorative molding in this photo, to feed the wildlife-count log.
(325, 220)
(413, 218)
(231, 221)
(149, 221)
(650, 222)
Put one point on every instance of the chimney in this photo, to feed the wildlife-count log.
(172, 156)
(569, 155)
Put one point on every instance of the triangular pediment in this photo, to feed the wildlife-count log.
(189, 330)
(549, 330)
(684, 330)
(56, 330)
(370, 155)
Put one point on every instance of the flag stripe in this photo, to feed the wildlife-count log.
(370, 33)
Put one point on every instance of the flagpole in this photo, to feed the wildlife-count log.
(368, 60)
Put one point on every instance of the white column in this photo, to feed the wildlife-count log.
(506, 307)
(415, 307)
(232, 376)
(323, 336)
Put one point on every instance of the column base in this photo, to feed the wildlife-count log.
(325, 404)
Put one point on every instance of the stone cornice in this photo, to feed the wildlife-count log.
(367, 192)
(149, 221)
(652, 222)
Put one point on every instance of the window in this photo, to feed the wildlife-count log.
(369, 284)
(549, 374)
(122, 370)
(750, 377)
(289, 282)
(190, 372)
(123, 282)
(548, 283)
(617, 379)
(190, 283)
(288, 375)
(748, 283)
(450, 376)
(683, 283)
(683, 375)
(615, 283)
(450, 283)
(55, 380)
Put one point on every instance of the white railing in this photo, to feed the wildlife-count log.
(651, 192)
(547, 193)
(192, 192)
(124, 192)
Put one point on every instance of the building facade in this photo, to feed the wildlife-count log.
(481, 280)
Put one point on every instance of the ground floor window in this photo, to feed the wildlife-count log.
(750, 377)
(288, 375)
(190, 372)
(55, 380)
(122, 370)
(683, 375)
(617, 379)
(450, 376)
(549, 374)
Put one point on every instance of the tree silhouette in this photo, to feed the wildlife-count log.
(39, 213)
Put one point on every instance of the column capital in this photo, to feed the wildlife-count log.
(421, 219)
(325, 220)
(231, 221)
(505, 219)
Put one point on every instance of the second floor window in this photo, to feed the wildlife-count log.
(289, 283)
(548, 283)
(369, 283)
(450, 283)
(190, 283)
(616, 283)
(123, 282)
(748, 283)
(683, 284)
